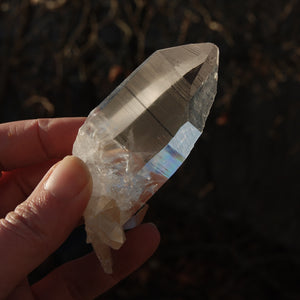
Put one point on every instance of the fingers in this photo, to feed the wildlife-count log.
(85, 279)
(28, 142)
(17, 185)
(21, 291)
(40, 224)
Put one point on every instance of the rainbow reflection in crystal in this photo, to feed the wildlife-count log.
(170, 158)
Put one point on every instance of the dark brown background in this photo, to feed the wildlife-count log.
(230, 218)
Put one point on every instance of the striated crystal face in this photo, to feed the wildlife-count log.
(139, 136)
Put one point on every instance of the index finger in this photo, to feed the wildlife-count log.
(23, 143)
(83, 278)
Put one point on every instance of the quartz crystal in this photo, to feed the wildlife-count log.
(139, 136)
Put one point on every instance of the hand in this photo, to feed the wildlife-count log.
(40, 208)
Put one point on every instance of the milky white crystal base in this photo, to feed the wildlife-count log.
(119, 186)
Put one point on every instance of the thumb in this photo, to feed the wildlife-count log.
(39, 225)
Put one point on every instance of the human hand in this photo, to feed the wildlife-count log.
(40, 208)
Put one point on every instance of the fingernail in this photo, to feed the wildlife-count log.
(69, 178)
(150, 224)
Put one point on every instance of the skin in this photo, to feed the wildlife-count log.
(39, 208)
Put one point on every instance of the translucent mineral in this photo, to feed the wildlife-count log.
(140, 135)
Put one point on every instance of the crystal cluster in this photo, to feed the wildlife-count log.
(139, 136)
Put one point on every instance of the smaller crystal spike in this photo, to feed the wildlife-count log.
(139, 136)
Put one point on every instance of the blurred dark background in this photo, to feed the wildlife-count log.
(230, 217)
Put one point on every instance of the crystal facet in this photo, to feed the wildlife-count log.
(139, 136)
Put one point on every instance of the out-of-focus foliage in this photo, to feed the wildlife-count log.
(230, 217)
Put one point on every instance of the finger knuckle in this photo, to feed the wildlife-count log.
(25, 223)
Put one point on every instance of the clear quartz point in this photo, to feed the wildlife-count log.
(139, 136)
